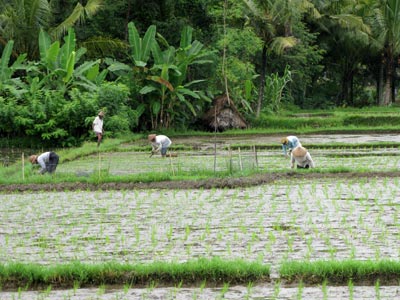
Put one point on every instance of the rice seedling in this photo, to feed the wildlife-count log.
(277, 289)
(249, 290)
(377, 290)
(324, 290)
(223, 291)
(351, 289)
(101, 290)
(300, 289)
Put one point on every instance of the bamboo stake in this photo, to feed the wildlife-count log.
(172, 166)
(23, 166)
(255, 156)
(230, 158)
(215, 139)
(99, 164)
(240, 160)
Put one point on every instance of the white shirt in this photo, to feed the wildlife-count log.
(98, 125)
(42, 159)
(161, 141)
(303, 161)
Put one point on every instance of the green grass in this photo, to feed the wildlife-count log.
(340, 271)
(213, 271)
(104, 177)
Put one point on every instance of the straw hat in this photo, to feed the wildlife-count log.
(33, 158)
(299, 151)
(284, 140)
(151, 137)
(101, 113)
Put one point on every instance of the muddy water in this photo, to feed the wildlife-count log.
(266, 291)
(207, 158)
(302, 220)
(209, 141)
(123, 163)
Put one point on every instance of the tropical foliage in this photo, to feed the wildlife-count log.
(62, 61)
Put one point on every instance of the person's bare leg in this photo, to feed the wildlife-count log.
(99, 136)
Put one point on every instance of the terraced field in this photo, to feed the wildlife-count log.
(307, 217)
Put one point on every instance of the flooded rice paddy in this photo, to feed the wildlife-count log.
(270, 223)
(312, 219)
(124, 163)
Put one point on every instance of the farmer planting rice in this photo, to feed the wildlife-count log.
(159, 143)
(302, 158)
(289, 143)
(48, 161)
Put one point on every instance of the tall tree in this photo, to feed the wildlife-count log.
(21, 21)
(346, 37)
(385, 24)
(273, 21)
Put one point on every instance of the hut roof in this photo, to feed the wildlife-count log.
(224, 115)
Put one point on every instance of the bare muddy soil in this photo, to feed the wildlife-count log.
(192, 184)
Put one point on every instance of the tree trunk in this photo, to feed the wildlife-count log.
(262, 80)
(127, 19)
(387, 98)
(379, 84)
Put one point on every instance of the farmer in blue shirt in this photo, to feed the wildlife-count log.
(289, 143)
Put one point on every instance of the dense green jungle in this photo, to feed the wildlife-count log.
(181, 66)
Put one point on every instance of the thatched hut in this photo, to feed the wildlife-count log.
(223, 115)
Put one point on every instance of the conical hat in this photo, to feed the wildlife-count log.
(299, 151)
(151, 137)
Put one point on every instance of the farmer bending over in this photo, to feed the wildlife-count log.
(159, 142)
(48, 161)
(302, 158)
(289, 143)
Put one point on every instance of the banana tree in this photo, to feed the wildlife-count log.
(9, 83)
(141, 47)
(59, 64)
(170, 95)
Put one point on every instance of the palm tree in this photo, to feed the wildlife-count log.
(343, 29)
(21, 21)
(385, 24)
(273, 21)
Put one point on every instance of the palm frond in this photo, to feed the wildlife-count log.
(78, 15)
(279, 44)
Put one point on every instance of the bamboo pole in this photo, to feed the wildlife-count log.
(172, 166)
(255, 156)
(215, 139)
(240, 160)
(230, 158)
(23, 166)
(99, 164)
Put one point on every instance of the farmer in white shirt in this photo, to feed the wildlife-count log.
(159, 143)
(289, 143)
(302, 158)
(48, 161)
(98, 127)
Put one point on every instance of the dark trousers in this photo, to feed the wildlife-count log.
(305, 167)
(53, 162)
